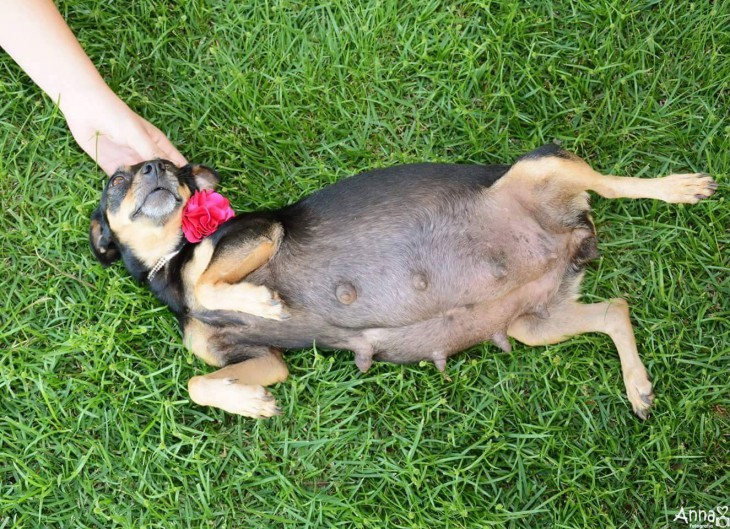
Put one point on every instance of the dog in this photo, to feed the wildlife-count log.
(403, 264)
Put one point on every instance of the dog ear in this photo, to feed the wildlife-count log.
(200, 177)
(100, 237)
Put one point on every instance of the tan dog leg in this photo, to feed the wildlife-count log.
(242, 297)
(239, 388)
(218, 275)
(612, 318)
(567, 173)
(675, 188)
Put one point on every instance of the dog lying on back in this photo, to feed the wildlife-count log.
(409, 263)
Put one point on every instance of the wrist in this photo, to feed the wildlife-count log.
(88, 100)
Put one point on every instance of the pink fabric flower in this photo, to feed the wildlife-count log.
(203, 213)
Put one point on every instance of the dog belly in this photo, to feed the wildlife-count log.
(479, 282)
(438, 337)
(435, 328)
(457, 329)
(435, 337)
(417, 278)
(389, 275)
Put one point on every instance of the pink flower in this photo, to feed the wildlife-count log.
(203, 213)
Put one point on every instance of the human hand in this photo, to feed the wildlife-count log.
(37, 37)
(114, 135)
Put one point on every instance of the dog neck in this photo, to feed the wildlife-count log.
(161, 263)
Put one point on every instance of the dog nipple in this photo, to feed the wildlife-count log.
(439, 360)
(541, 311)
(500, 340)
(419, 281)
(346, 293)
(499, 271)
(363, 361)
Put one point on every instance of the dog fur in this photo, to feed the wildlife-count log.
(409, 263)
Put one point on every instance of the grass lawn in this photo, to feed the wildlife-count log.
(284, 97)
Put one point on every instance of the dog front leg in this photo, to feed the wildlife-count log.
(242, 297)
(240, 388)
(571, 318)
(218, 274)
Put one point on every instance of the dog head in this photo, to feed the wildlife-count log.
(139, 217)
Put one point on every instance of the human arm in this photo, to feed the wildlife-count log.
(36, 36)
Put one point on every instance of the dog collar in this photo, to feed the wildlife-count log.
(161, 264)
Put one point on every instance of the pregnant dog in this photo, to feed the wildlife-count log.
(409, 263)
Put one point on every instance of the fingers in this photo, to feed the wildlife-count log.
(109, 155)
(166, 149)
(122, 140)
(149, 142)
(109, 166)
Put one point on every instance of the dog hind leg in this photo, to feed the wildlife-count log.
(570, 318)
(567, 172)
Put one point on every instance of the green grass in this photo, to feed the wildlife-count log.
(96, 429)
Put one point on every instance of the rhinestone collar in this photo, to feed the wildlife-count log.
(161, 264)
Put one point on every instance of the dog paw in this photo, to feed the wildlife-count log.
(271, 307)
(244, 297)
(250, 401)
(228, 395)
(687, 188)
(640, 393)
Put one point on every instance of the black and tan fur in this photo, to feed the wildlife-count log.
(402, 264)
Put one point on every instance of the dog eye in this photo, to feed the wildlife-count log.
(117, 180)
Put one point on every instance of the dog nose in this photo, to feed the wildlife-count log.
(153, 168)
